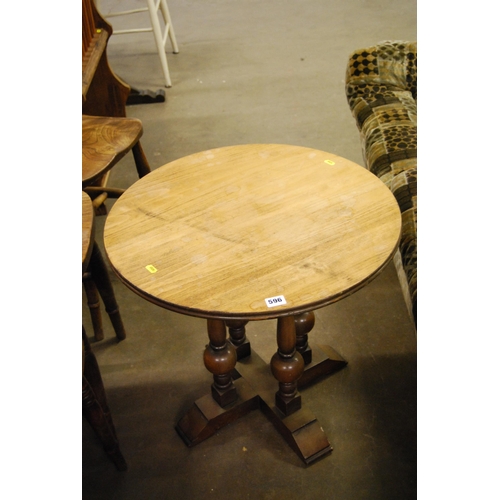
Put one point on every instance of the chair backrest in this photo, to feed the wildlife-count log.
(103, 92)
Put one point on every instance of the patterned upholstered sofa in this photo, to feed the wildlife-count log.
(381, 88)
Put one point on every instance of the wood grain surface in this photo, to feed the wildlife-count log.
(216, 233)
(87, 229)
(105, 141)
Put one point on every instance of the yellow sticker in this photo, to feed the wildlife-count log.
(151, 268)
(330, 162)
(98, 30)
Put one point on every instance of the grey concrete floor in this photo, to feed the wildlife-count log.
(255, 72)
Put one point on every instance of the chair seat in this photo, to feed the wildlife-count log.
(87, 230)
(105, 141)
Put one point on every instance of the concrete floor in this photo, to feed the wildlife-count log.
(256, 72)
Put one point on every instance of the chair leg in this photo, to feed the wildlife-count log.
(100, 276)
(168, 25)
(95, 407)
(93, 302)
(160, 45)
(141, 161)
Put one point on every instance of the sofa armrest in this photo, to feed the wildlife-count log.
(390, 65)
(381, 89)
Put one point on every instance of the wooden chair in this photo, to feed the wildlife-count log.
(107, 135)
(96, 278)
(105, 141)
(103, 92)
(95, 407)
(94, 404)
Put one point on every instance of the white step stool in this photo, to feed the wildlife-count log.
(160, 36)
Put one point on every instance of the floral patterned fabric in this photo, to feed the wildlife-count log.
(381, 89)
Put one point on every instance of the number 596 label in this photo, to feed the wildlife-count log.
(275, 301)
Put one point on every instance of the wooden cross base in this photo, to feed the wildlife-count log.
(256, 388)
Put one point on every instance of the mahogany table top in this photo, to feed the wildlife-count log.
(252, 231)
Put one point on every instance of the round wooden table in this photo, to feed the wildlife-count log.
(254, 232)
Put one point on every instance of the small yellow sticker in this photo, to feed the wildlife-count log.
(330, 162)
(151, 268)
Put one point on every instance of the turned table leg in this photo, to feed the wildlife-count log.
(304, 323)
(220, 359)
(319, 360)
(238, 337)
(228, 401)
(287, 365)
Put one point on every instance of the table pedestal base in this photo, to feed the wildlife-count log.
(325, 361)
(256, 388)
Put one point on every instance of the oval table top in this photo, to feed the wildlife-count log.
(252, 232)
